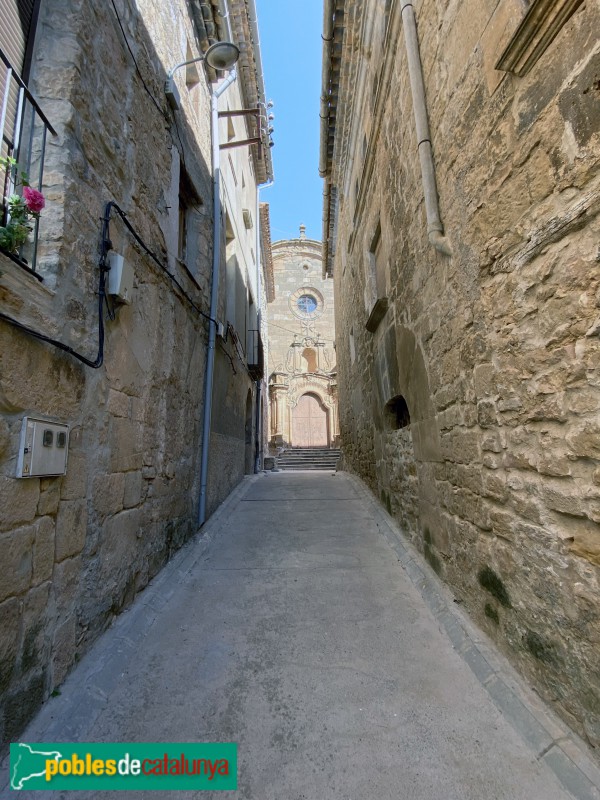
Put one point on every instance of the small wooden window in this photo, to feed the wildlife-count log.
(188, 202)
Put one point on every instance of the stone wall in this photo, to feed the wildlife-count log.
(495, 349)
(75, 549)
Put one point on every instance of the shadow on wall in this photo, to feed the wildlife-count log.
(407, 440)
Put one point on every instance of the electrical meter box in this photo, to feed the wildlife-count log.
(120, 278)
(43, 448)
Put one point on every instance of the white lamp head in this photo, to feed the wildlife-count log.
(222, 55)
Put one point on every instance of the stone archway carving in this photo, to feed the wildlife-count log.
(285, 391)
(320, 387)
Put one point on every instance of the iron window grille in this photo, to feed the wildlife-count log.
(23, 136)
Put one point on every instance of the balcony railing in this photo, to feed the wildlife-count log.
(24, 130)
(256, 359)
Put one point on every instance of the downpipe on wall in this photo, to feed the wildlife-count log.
(435, 228)
(253, 19)
(259, 434)
(257, 417)
(214, 292)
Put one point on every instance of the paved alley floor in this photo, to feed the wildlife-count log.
(300, 627)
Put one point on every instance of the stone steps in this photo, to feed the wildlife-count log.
(308, 458)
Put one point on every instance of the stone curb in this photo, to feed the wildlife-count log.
(548, 737)
(87, 688)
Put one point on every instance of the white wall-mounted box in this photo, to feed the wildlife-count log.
(43, 448)
(172, 93)
(120, 278)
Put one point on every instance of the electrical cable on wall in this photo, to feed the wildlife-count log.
(145, 85)
(43, 338)
(157, 260)
(229, 357)
(141, 77)
(104, 267)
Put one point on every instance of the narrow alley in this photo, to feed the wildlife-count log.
(300, 445)
(300, 626)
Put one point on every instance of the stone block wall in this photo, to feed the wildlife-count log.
(76, 549)
(495, 350)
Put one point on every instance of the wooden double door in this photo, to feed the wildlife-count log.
(309, 423)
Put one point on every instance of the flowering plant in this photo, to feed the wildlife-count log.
(22, 209)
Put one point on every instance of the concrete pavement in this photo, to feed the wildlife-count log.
(302, 627)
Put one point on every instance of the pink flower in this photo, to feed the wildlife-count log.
(34, 200)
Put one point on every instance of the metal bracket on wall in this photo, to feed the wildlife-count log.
(245, 112)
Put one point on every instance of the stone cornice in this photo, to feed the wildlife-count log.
(339, 20)
(267, 251)
(247, 75)
(539, 27)
(310, 248)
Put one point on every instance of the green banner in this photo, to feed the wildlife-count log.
(102, 766)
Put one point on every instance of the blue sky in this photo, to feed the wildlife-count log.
(290, 38)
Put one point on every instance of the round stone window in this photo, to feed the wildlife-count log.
(307, 304)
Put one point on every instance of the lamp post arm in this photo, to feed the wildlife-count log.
(184, 64)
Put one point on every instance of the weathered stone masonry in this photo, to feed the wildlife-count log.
(494, 350)
(74, 550)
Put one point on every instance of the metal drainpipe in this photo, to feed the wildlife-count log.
(252, 18)
(214, 292)
(257, 431)
(259, 416)
(257, 423)
(224, 14)
(435, 229)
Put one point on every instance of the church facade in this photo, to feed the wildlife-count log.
(301, 360)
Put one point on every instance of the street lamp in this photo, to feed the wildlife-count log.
(220, 56)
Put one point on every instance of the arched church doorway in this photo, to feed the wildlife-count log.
(309, 423)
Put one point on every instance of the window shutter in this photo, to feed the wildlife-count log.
(17, 23)
(17, 27)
